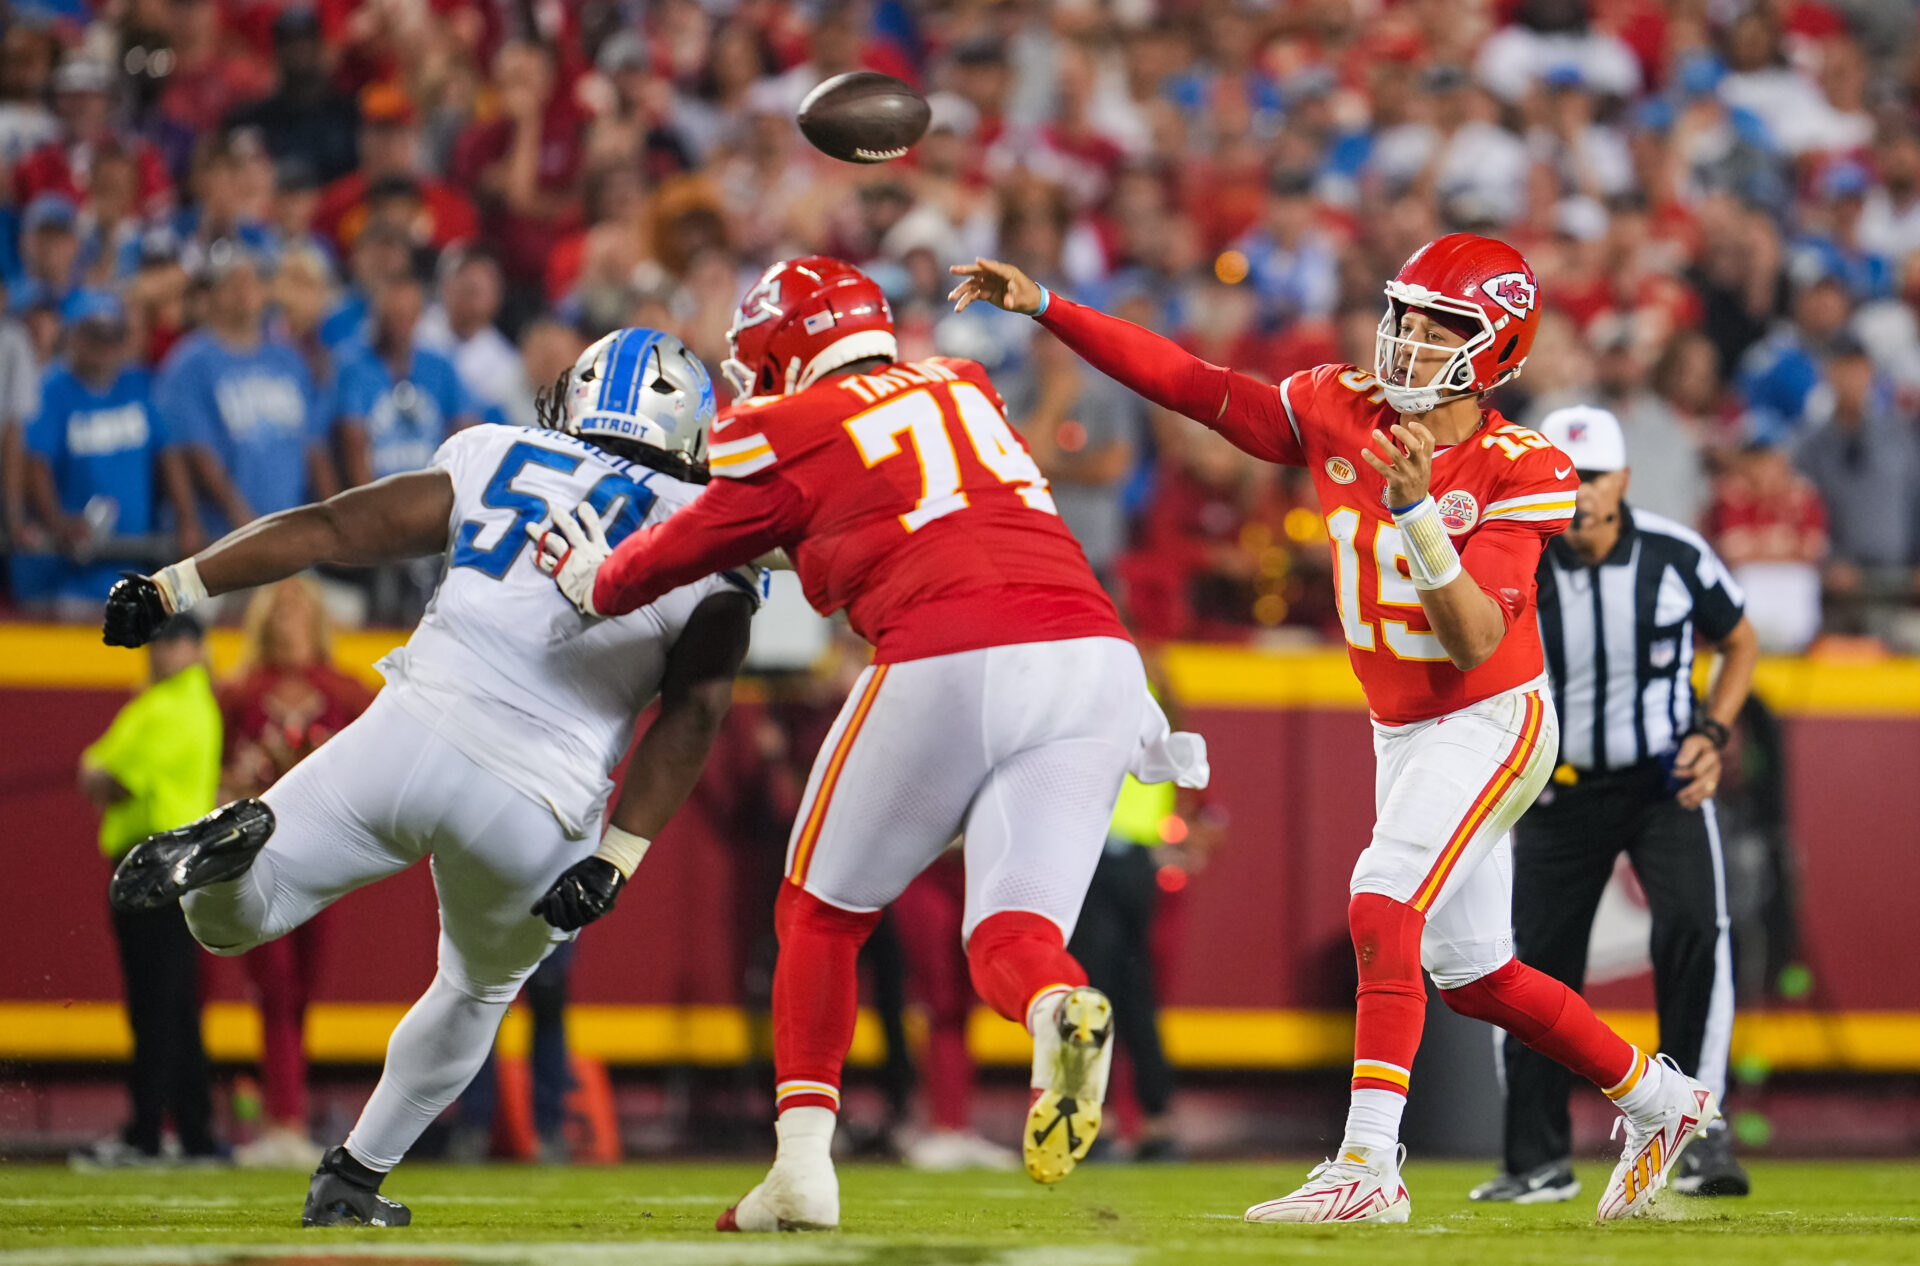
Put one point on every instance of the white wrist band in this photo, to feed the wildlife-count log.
(180, 586)
(624, 849)
(1432, 562)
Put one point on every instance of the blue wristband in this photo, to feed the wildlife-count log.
(1046, 297)
(1399, 510)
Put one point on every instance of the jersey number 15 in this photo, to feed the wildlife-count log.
(920, 414)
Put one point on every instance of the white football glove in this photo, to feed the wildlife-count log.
(571, 550)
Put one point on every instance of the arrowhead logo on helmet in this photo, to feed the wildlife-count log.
(1513, 291)
(1482, 291)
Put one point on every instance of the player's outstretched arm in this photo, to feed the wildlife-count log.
(1245, 410)
(733, 522)
(400, 517)
(694, 696)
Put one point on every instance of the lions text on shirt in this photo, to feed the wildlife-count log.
(253, 409)
(99, 443)
(502, 665)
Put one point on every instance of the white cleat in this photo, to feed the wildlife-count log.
(1356, 1186)
(793, 1198)
(1072, 1055)
(1654, 1144)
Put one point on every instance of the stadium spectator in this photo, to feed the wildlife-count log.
(380, 250)
(1290, 262)
(1670, 471)
(305, 116)
(547, 349)
(1860, 453)
(525, 166)
(158, 767)
(396, 400)
(19, 402)
(286, 700)
(1778, 374)
(302, 294)
(211, 73)
(82, 98)
(390, 154)
(241, 407)
(95, 456)
(27, 52)
(460, 326)
(49, 252)
(1084, 430)
(1890, 215)
(1768, 524)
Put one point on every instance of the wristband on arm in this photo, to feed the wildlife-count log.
(1432, 561)
(1046, 297)
(180, 586)
(1710, 729)
(623, 849)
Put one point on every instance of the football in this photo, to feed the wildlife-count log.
(863, 117)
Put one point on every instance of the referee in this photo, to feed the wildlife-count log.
(1623, 596)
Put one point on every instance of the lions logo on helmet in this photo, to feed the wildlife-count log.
(638, 385)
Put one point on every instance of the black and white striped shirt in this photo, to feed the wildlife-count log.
(1619, 637)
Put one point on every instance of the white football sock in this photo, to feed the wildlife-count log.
(435, 1050)
(1647, 1093)
(231, 916)
(1373, 1121)
(805, 1135)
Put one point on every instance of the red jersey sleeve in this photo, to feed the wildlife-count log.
(1251, 413)
(1533, 503)
(733, 522)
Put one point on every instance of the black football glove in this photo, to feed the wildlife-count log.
(587, 890)
(134, 611)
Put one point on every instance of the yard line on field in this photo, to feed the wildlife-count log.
(747, 1251)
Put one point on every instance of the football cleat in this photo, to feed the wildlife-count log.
(1709, 1168)
(1356, 1186)
(1548, 1184)
(339, 1197)
(219, 846)
(1072, 1055)
(1655, 1143)
(794, 1197)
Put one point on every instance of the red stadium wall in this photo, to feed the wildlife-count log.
(1262, 941)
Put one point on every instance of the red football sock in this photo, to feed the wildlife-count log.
(816, 992)
(1014, 957)
(1390, 1007)
(1551, 1018)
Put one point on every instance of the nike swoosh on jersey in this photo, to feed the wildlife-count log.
(1562, 474)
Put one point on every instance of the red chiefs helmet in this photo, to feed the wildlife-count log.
(1480, 289)
(803, 318)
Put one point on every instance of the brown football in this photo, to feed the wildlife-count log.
(864, 117)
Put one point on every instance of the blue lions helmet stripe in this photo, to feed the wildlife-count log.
(622, 386)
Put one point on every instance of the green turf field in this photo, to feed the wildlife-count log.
(662, 1215)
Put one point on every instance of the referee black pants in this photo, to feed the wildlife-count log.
(1113, 942)
(168, 1076)
(1563, 854)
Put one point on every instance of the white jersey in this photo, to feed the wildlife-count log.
(502, 666)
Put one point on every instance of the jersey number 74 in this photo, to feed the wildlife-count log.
(928, 416)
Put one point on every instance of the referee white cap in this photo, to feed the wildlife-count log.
(1589, 435)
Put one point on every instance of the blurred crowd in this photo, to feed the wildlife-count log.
(254, 251)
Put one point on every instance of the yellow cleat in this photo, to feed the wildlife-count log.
(1072, 1055)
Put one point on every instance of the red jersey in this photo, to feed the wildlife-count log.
(1502, 493)
(903, 497)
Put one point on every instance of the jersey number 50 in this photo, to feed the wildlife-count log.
(919, 414)
(627, 499)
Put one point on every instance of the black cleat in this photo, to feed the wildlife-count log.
(1708, 1168)
(219, 846)
(1549, 1184)
(346, 1193)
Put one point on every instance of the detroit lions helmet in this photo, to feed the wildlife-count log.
(638, 385)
